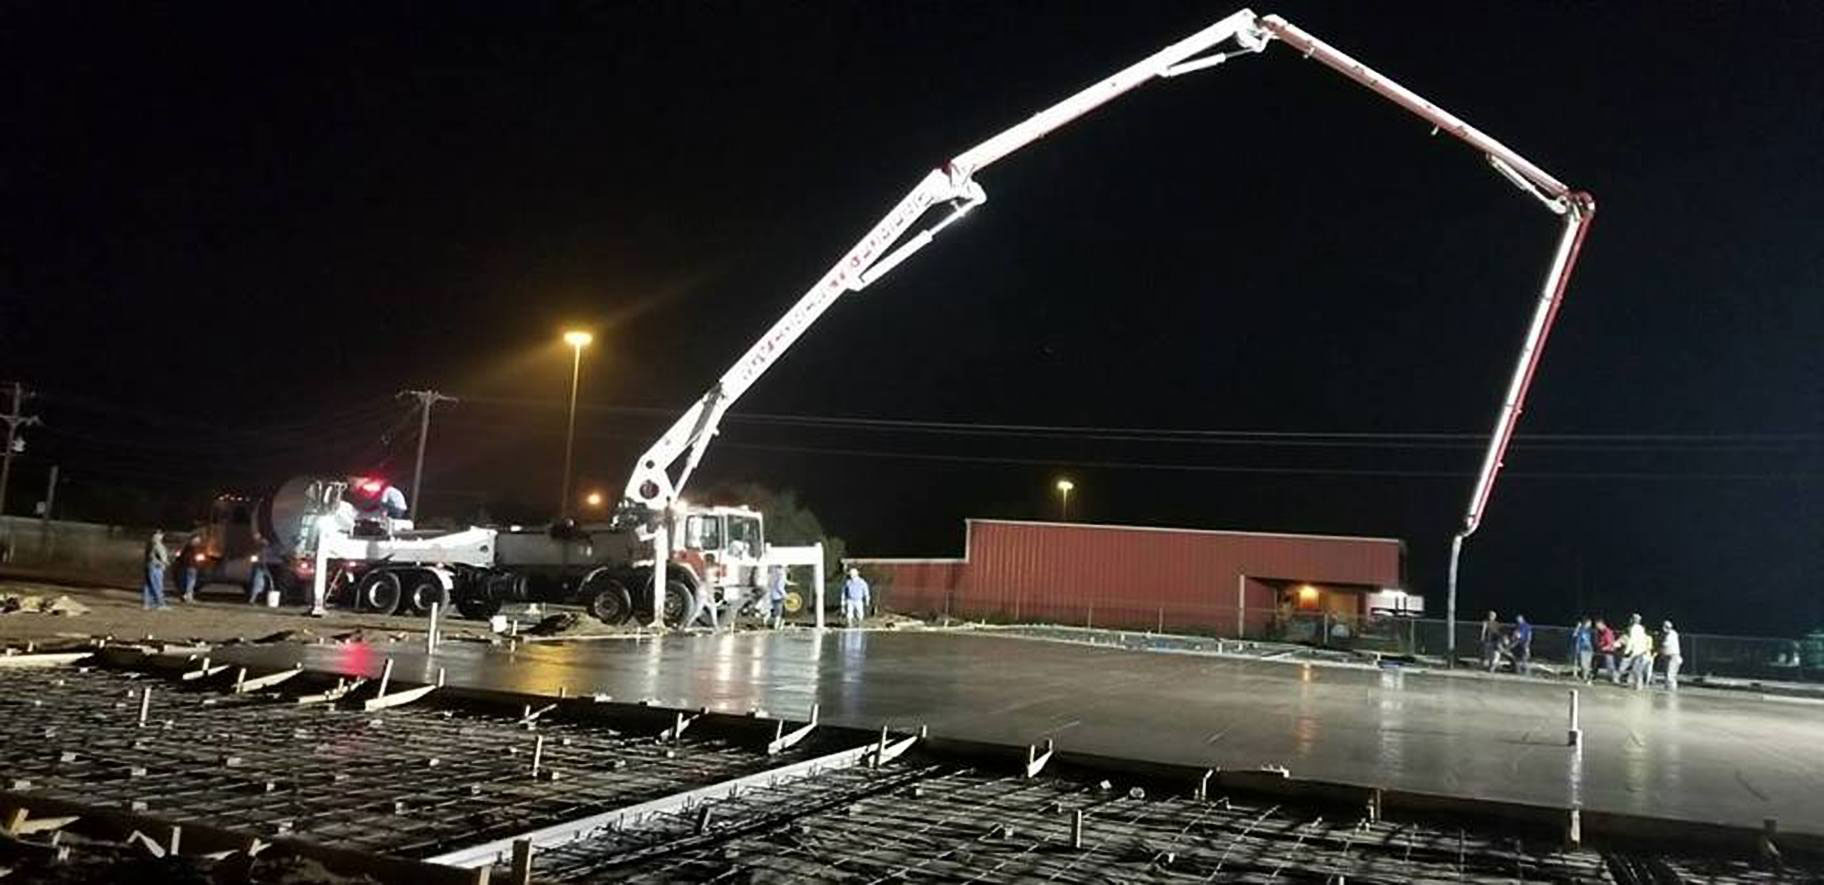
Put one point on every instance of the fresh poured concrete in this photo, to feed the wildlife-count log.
(1699, 755)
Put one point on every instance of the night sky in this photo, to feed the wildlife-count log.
(232, 232)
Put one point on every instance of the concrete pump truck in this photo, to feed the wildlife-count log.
(678, 561)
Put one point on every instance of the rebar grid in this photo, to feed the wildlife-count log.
(415, 781)
(957, 824)
(407, 781)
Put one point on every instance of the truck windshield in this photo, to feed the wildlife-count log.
(703, 533)
(743, 535)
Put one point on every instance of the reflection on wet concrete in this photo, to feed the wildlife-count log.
(1699, 755)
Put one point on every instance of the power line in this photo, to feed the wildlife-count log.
(474, 427)
(1267, 470)
(1162, 434)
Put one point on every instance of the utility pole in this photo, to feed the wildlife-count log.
(13, 421)
(50, 497)
(426, 399)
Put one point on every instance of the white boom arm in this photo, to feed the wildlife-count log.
(651, 490)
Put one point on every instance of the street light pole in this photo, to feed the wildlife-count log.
(1064, 489)
(426, 399)
(577, 341)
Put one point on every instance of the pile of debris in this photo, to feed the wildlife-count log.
(44, 605)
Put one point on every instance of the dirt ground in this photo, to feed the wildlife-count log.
(219, 615)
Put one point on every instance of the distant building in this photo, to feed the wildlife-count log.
(1230, 582)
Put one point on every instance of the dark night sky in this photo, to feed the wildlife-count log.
(233, 231)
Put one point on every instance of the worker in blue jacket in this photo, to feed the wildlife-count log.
(854, 599)
(775, 597)
(1523, 644)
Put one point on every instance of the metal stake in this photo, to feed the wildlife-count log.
(522, 862)
(538, 754)
(145, 704)
(1575, 736)
(386, 675)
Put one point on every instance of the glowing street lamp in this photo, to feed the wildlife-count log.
(594, 499)
(1064, 489)
(577, 339)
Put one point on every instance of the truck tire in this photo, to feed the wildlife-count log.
(475, 604)
(422, 590)
(680, 603)
(379, 592)
(608, 600)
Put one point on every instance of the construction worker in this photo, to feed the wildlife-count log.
(1638, 647)
(775, 598)
(1491, 642)
(1523, 644)
(1583, 651)
(1605, 645)
(706, 604)
(157, 557)
(260, 575)
(392, 502)
(854, 599)
(1674, 654)
(186, 565)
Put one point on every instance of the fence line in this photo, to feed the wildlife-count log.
(1704, 654)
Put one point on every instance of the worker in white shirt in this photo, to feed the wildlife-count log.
(1639, 652)
(1674, 655)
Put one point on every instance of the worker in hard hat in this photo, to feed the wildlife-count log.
(854, 599)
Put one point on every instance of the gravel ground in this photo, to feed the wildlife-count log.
(219, 615)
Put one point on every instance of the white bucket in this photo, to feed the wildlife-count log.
(272, 599)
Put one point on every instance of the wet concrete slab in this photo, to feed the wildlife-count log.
(1699, 755)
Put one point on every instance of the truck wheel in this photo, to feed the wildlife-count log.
(423, 590)
(679, 603)
(476, 605)
(379, 592)
(608, 601)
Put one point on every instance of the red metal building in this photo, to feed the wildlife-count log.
(1146, 578)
